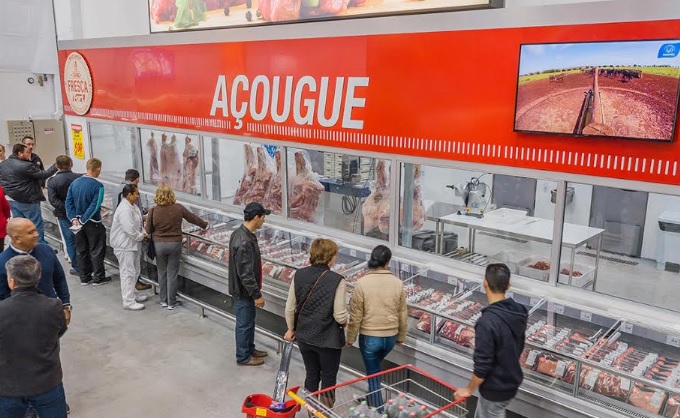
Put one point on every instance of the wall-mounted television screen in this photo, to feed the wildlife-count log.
(625, 89)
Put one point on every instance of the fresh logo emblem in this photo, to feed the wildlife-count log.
(78, 83)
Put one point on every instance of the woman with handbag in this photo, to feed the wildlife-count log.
(164, 224)
(316, 313)
(126, 239)
(378, 315)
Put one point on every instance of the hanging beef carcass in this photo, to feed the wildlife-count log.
(305, 191)
(273, 197)
(279, 10)
(190, 166)
(376, 208)
(418, 212)
(263, 176)
(248, 175)
(163, 10)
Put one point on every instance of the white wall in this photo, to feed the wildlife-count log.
(85, 19)
(20, 100)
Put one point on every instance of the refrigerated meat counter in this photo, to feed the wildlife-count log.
(578, 362)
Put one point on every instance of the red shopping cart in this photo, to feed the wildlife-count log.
(405, 386)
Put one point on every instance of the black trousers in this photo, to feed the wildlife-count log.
(90, 250)
(321, 365)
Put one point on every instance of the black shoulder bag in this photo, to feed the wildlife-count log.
(298, 311)
(150, 247)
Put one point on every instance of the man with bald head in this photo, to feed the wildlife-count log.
(24, 241)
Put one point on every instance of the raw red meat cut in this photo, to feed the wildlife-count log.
(163, 10)
(376, 208)
(248, 176)
(280, 10)
(261, 180)
(673, 408)
(460, 334)
(647, 398)
(305, 191)
(273, 197)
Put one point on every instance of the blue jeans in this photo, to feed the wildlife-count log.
(51, 404)
(244, 308)
(69, 239)
(373, 351)
(489, 409)
(30, 211)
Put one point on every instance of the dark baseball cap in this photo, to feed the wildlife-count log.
(255, 209)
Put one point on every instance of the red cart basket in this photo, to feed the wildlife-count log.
(404, 385)
(259, 405)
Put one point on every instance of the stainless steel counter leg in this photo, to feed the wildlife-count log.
(202, 312)
(597, 261)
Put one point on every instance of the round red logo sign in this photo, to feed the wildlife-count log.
(78, 83)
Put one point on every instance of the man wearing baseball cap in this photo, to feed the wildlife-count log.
(245, 282)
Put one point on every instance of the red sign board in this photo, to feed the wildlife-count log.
(448, 95)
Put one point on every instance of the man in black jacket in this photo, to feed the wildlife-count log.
(245, 282)
(33, 157)
(499, 342)
(30, 327)
(21, 180)
(57, 189)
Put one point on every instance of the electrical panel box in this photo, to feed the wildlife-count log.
(48, 135)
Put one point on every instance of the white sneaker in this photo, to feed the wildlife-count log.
(134, 307)
(141, 298)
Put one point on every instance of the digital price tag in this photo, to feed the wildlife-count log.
(586, 316)
(627, 327)
(673, 340)
(561, 368)
(625, 384)
(556, 308)
(452, 280)
(353, 252)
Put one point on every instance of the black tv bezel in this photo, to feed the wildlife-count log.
(660, 141)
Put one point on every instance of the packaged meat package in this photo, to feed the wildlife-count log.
(249, 171)
(673, 407)
(376, 208)
(647, 398)
(262, 177)
(305, 190)
(280, 10)
(272, 198)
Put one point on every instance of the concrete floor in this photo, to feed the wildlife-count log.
(155, 362)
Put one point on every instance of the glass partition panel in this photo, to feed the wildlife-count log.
(478, 218)
(242, 172)
(172, 158)
(342, 191)
(622, 243)
(116, 146)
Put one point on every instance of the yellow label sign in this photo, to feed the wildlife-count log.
(78, 146)
(261, 412)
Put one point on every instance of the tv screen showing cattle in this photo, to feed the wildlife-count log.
(610, 89)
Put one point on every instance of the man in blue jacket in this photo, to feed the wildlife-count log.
(499, 342)
(83, 207)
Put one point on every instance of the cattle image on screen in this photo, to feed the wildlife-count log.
(614, 89)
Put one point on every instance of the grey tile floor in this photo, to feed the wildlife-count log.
(155, 362)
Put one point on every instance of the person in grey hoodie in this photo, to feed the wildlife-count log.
(499, 342)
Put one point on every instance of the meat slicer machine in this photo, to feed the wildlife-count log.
(475, 196)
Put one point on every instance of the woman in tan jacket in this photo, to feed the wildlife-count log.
(378, 313)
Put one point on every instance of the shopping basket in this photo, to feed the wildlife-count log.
(398, 386)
